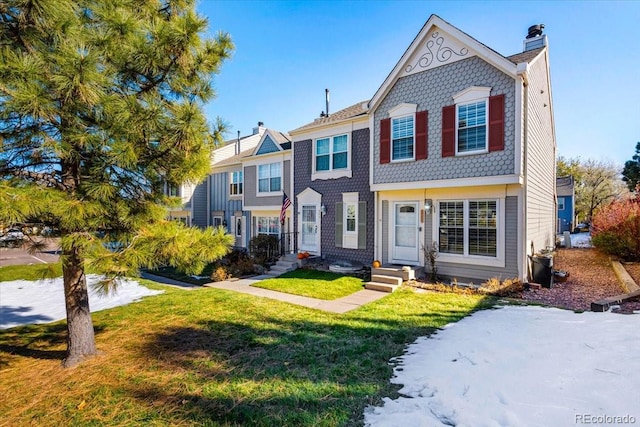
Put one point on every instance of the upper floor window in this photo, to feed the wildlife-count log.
(472, 127)
(402, 138)
(235, 183)
(269, 178)
(173, 190)
(332, 153)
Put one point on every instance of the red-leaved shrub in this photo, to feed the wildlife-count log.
(616, 229)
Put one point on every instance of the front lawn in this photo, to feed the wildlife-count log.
(219, 358)
(30, 272)
(313, 283)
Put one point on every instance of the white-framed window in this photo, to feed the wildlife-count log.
(269, 178)
(472, 127)
(560, 203)
(217, 221)
(403, 131)
(268, 225)
(331, 153)
(470, 228)
(235, 183)
(350, 220)
(472, 119)
(402, 138)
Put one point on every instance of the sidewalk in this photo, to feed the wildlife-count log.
(340, 305)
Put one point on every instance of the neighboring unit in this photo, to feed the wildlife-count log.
(565, 194)
(463, 155)
(334, 206)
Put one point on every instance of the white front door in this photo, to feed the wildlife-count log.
(405, 233)
(309, 219)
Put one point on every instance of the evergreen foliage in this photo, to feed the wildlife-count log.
(631, 171)
(100, 109)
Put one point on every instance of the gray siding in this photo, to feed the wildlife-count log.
(385, 231)
(431, 90)
(251, 186)
(540, 157)
(478, 273)
(220, 201)
(199, 205)
(332, 190)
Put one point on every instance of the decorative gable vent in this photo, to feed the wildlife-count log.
(535, 39)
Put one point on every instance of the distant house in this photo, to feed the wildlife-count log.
(565, 194)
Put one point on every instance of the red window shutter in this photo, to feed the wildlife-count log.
(496, 123)
(449, 131)
(422, 129)
(385, 140)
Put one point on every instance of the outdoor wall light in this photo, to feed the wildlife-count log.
(428, 205)
(323, 209)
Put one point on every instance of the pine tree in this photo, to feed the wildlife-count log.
(100, 108)
(631, 171)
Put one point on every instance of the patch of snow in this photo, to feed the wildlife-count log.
(24, 302)
(581, 240)
(518, 366)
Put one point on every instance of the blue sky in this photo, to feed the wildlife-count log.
(288, 52)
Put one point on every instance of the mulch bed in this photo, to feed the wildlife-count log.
(591, 278)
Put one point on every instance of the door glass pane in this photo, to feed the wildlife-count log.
(406, 223)
(309, 225)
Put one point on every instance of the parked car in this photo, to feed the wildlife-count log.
(582, 228)
(12, 238)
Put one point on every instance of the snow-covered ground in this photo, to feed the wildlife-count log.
(24, 302)
(519, 366)
(578, 240)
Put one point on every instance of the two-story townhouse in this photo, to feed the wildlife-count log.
(463, 155)
(225, 186)
(267, 172)
(333, 202)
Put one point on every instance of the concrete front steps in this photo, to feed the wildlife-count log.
(389, 278)
(285, 264)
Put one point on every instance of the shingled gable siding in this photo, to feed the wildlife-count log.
(332, 190)
(432, 90)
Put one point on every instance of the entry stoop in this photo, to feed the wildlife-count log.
(388, 279)
(285, 264)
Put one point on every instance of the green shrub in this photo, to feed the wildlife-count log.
(615, 229)
(265, 249)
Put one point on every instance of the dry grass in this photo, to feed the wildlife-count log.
(217, 358)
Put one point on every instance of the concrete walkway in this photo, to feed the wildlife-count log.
(340, 305)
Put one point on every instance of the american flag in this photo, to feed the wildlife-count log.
(285, 205)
